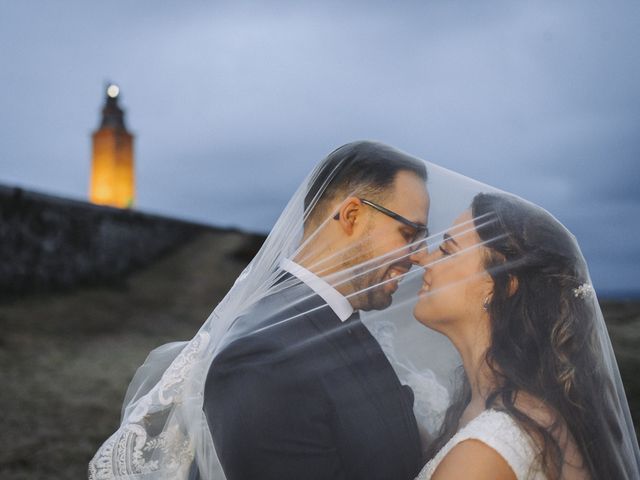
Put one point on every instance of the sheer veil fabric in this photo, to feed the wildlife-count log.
(365, 243)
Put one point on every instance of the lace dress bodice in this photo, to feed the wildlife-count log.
(499, 431)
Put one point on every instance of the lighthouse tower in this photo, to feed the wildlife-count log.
(112, 172)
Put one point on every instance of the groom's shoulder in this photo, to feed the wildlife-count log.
(274, 329)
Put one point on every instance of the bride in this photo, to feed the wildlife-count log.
(511, 291)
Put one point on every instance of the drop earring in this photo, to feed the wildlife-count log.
(485, 305)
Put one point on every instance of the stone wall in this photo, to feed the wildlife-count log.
(48, 243)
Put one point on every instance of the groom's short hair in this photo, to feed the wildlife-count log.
(362, 168)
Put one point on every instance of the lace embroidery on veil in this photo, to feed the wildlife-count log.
(130, 450)
(127, 453)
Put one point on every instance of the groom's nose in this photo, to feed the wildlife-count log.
(419, 257)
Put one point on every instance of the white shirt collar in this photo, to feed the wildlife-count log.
(338, 302)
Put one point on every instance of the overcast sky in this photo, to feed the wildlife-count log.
(232, 103)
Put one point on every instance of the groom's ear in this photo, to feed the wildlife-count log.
(349, 215)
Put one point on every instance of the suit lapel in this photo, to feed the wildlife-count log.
(363, 355)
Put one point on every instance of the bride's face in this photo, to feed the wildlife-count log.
(455, 282)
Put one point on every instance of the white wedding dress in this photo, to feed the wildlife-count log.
(499, 431)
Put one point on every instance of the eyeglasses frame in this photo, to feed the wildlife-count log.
(418, 227)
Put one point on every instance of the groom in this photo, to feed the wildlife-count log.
(310, 394)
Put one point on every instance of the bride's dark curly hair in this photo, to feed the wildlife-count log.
(544, 338)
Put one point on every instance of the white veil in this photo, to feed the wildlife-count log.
(164, 432)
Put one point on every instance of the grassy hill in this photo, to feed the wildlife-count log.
(66, 358)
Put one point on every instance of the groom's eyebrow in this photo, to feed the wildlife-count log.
(448, 238)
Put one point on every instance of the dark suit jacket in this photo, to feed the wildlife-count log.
(309, 397)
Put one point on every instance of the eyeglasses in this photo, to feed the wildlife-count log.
(421, 231)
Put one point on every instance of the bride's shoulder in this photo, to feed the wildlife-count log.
(477, 456)
(490, 443)
(499, 430)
